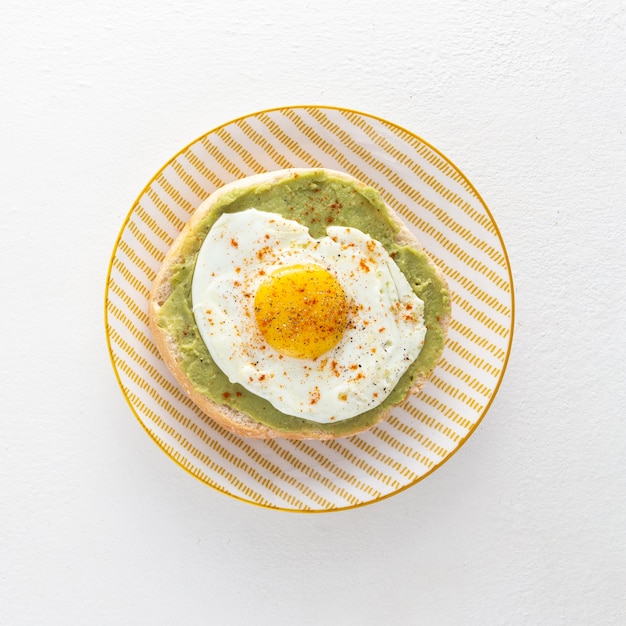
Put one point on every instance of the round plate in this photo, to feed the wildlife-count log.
(447, 215)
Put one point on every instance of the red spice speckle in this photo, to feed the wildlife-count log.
(314, 396)
(262, 252)
(234, 243)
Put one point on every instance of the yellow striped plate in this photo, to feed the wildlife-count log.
(441, 207)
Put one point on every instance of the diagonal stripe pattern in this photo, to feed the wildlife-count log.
(438, 204)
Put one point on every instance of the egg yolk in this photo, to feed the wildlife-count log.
(301, 310)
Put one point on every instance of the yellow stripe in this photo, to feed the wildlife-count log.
(451, 390)
(405, 188)
(337, 445)
(470, 286)
(175, 195)
(479, 316)
(137, 260)
(130, 278)
(218, 155)
(374, 452)
(423, 150)
(425, 441)
(156, 394)
(134, 331)
(264, 144)
(245, 155)
(328, 148)
(463, 304)
(147, 245)
(222, 451)
(479, 243)
(432, 158)
(482, 342)
(264, 462)
(403, 448)
(164, 209)
(129, 301)
(155, 229)
(191, 183)
(311, 473)
(430, 421)
(444, 409)
(371, 470)
(326, 463)
(156, 376)
(472, 358)
(201, 167)
(289, 142)
(470, 381)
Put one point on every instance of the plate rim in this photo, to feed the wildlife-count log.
(218, 488)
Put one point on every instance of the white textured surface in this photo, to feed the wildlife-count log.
(525, 525)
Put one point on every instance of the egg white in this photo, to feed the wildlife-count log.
(379, 344)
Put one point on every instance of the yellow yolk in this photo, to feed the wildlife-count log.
(301, 310)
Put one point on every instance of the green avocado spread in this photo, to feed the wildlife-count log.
(316, 199)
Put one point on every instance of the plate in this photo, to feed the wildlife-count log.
(440, 206)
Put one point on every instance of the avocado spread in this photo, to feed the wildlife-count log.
(317, 200)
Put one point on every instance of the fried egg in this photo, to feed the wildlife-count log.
(323, 329)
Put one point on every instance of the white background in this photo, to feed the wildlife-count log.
(525, 525)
